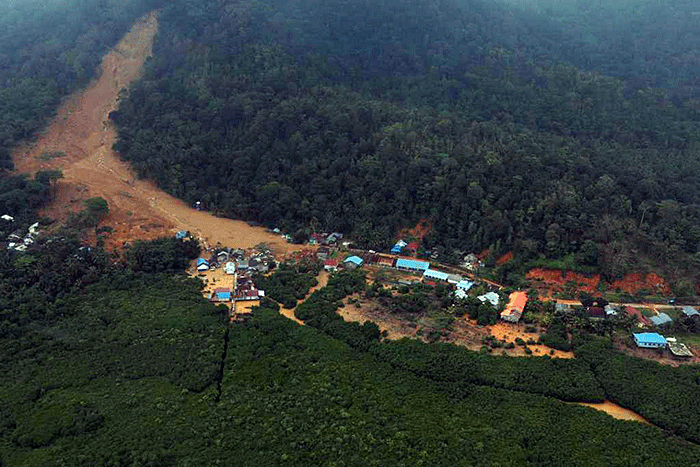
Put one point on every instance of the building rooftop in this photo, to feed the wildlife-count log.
(412, 264)
(690, 311)
(491, 297)
(354, 259)
(660, 319)
(465, 285)
(517, 301)
(649, 338)
(433, 274)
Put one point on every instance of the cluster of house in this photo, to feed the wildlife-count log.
(19, 240)
(237, 260)
(653, 340)
(325, 238)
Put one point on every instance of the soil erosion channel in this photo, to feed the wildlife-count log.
(79, 142)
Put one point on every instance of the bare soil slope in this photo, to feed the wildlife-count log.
(81, 130)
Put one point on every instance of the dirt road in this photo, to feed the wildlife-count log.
(83, 137)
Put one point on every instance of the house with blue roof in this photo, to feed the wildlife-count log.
(353, 262)
(412, 265)
(202, 264)
(661, 319)
(400, 245)
(650, 340)
(436, 275)
(464, 285)
(690, 311)
(181, 234)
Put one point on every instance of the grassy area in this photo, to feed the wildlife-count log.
(647, 312)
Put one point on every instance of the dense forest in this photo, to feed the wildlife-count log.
(132, 368)
(344, 116)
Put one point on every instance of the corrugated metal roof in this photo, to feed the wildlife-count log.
(690, 311)
(464, 285)
(412, 264)
(491, 297)
(649, 338)
(433, 274)
(662, 318)
(354, 259)
(223, 296)
(201, 261)
(517, 301)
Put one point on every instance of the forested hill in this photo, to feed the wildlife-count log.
(341, 115)
(48, 50)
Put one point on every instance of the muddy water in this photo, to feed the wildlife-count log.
(616, 411)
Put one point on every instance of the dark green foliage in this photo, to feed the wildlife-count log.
(318, 128)
(319, 311)
(289, 283)
(557, 335)
(666, 396)
(161, 255)
(482, 312)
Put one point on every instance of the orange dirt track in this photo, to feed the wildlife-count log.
(137, 209)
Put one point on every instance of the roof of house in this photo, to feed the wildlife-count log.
(454, 278)
(201, 261)
(433, 274)
(354, 259)
(330, 262)
(412, 264)
(661, 318)
(181, 234)
(223, 295)
(413, 246)
(562, 306)
(596, 312)
(517, 301)
(460, 293)
(649, 338)
(464, 285)
(491, 297)
(690, 311)
(610, 310)
(222, 289)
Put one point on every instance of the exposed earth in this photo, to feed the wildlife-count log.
(79, 142)
(554, 280)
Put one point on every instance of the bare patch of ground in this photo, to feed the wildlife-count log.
(554, 280)
(509, 332)
(83, 135)
(615, 411)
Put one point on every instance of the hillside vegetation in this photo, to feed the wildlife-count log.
(314, 117)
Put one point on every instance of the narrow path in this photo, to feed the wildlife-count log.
(322, 279)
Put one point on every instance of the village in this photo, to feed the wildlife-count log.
(229, 279)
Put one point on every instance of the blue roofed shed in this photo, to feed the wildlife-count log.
(464, 285)
(412, 265)
(650, 340)
(433, 274)
(353, 261)
(690, 311)
(223, 296)
(661, 319)
(181, 234)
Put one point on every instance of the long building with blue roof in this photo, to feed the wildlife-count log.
(650, 340)
(412, 265)
(433, 274)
